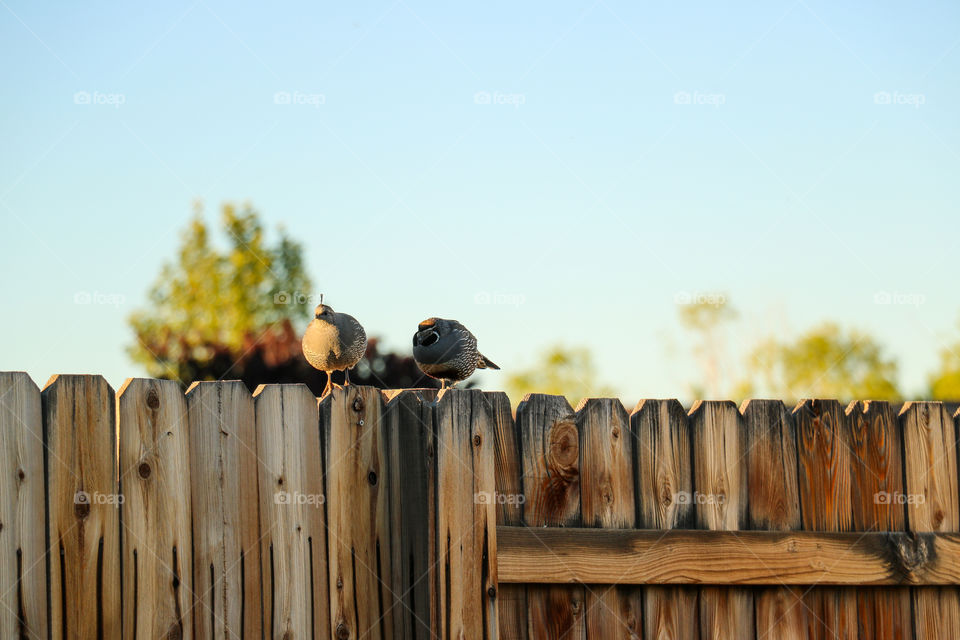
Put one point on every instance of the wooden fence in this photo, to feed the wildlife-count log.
(151, 513)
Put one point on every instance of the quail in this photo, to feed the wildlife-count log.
(447, 351)
(333, 342)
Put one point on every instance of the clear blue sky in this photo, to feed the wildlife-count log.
(798, 156)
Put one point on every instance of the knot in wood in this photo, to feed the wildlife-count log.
(372, 478)
(175, 633)
(153, 399)
(342, 632)
(81, 509)
(909, 552)
(616, 433)
(477, 440)
(144, 470)
(20, 474)
(358, 407)
(564, 450)
(492, 592)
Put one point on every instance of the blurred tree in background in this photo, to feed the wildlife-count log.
(707, 317)
(559, 370)
(239, 313)
(825, 362)
(945, 382)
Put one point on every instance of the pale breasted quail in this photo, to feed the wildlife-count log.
(333, 342)
(447, 351)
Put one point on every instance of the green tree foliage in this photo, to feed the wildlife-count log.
(945, 381)
(826, 362)
(237, 310)
(214, 303)
(559, 370)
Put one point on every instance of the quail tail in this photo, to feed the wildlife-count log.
(483, 362)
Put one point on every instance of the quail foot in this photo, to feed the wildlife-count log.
(333, 342)
(447, 351)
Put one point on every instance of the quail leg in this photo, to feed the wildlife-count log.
(326, 389)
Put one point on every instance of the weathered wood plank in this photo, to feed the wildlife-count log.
(508, 466)
(650, 556)
(466, 515)
(877, 483)
(155, 517)
(773, 505)
(550, 448)
(293, 541)
(84, 515)
(23, 569)
(358, 513)
(225, 503)
(930, 471)
(408, 422)
(825, 498)
(664, 473)
(720, 503)
(607, 500)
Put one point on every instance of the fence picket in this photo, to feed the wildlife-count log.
(664, 478)
(930, 463)
(550, 448)
(225, 502)
(466, 515)
(720, 503)
(823, 439)
(358, 513)
(23, 564)
(408, 420)
(607, 501)
(878, 471)
(293, 541)
(511, 599)
(83, 510)
(774, 505)
(155, 516)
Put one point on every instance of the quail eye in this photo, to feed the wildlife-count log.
(431, 338)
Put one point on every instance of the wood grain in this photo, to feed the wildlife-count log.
(358, 513)
(23, 568)
(773, 505)
(156, 516)
(293, 541)
(650, 556)
(877, 479)
(225, 502)
(408, 421)
(720, 504)
(664, 472)
(607, 500)
(83, 511)
(550, 447)
(508, 468)
(930, 464)
(466, 515)
(823, 438)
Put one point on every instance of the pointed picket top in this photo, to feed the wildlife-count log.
(156, 533)
(23, 577)
(771, 456)
(84, 500)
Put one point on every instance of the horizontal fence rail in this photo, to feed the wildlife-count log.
(211, 512)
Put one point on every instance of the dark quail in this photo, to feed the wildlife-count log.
(447, 351)
(333, 342)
